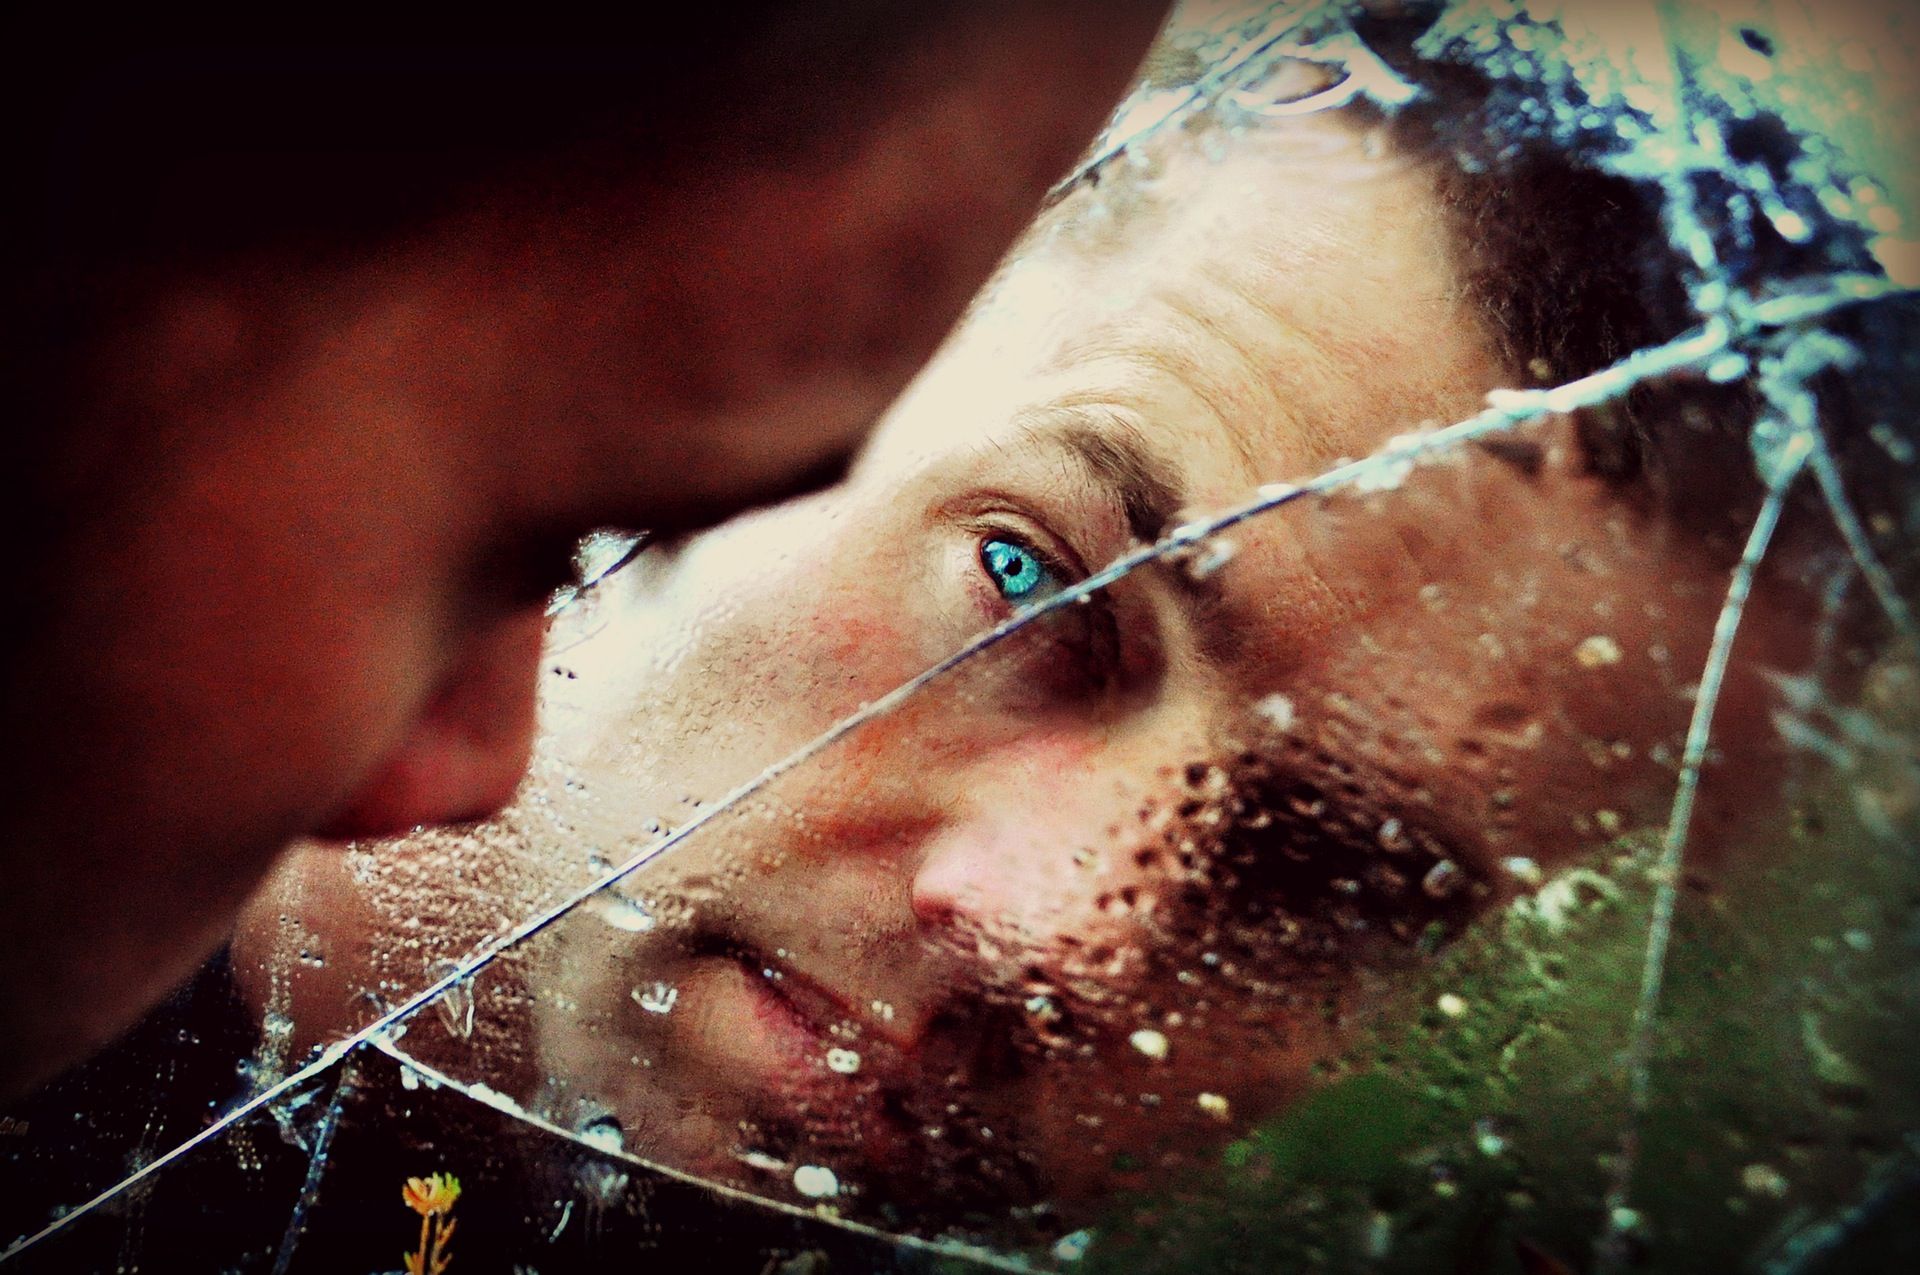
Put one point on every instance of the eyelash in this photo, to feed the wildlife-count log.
(1087, 632)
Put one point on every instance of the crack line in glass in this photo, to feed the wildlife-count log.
(1507, 409)
(1667, 873)
(1827, 474)
(497, 1101)
(316, 1166)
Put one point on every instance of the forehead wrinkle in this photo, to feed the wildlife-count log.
(1269, 384)
(1270, 378)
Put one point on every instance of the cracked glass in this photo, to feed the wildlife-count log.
(1362, 714)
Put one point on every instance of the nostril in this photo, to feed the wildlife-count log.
(933, 910)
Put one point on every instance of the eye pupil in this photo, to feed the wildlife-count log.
(1014, 568)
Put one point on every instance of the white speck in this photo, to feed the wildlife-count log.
(1764, 1179)
(1042, 1008)
(1451, 1005)
(843, 1061)
(1393, 837)
(1213, 1104)
(816, 1182)
(658, 999)
(604, 1133)
(1523, 870)
(762, 1161)
(1792, 226)
(1894, 445)
(1442, 879)
(1277, 709)
(1071, 1248)
(1217, 554)
(1149, 1042)
(1598, 651)
(457, 1008)
(883, 1011)
(619, 911)
(1387, 468)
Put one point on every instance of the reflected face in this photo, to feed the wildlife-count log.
(1113, 886)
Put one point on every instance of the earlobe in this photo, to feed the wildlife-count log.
(465, 752)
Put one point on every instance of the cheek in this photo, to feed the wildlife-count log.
(861, 647)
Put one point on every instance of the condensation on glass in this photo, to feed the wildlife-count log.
(1362, 714)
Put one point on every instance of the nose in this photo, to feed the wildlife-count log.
(1025, 882)
(466, 750)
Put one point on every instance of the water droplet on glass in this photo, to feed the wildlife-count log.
(1149, 1042)
(1523, 870)
(603, 1182)
(1895, 446)
(456, 1008)
(1276, 710)
(603, 1133)
(1071, 1248)
(659, 998)
(1442, 879)
(1387, 468)
(816, 1182)
(621, 911)
(1212, 556)
(1379, 1234)
(1598, 651)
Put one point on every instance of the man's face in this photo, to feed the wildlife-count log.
(1115, 884)
(310, 502)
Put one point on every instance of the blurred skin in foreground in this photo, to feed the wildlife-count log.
(320, 380)
(1103, 896)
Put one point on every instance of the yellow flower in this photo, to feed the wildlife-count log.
(431, 1195)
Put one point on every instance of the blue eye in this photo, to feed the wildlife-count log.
(1016, 570)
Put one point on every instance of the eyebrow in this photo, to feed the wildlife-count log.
(1145, 485)
(1109, 447)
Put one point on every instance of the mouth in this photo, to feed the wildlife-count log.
(808, 1033)
(812, 1079)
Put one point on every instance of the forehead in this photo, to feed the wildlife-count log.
(1265, 301)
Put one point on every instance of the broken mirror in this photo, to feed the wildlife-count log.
(1361, 714)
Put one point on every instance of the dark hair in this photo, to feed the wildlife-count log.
(1576, 259)
(1577, 252)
